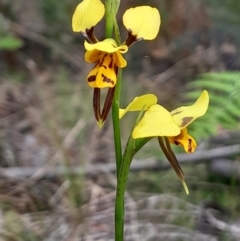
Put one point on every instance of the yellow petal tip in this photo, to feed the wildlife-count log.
(100, 123)
(185, 187)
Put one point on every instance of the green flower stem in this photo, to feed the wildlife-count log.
(122, 166)
(116, 122)
(111, 7)
(121, 187)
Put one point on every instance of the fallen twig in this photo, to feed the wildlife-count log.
(138, 165)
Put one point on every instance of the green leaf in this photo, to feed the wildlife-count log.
(10, 43)
(224, 106)
(208, 85)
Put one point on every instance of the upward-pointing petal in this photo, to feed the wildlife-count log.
(87, 14)
(185, 115)
(143, 22)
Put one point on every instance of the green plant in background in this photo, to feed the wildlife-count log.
(14, 228)
(224, 111)
(7, 40)
(142, 23)
(230, 15)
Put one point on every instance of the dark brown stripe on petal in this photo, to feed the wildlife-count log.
(91, 78)
(116, 69)
(107, 80)
(189, 145)
(111, 63)
(178, 112)
(100, 63)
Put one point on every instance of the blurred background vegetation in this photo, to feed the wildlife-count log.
(51, 186)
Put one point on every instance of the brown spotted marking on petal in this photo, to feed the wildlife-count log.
(186, 120)
(107, 80)
(189, 145)
(91, 78)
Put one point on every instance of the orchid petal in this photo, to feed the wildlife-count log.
(157, 121)
(186, 141)
(142, 22)
(139, 103)
(185, 115)
(107, 45)
(87, 14)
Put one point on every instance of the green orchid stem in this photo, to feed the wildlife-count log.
(121, 187)
(116, 122)
(122, 166)
(120, 163)
(109, 22)
(111, 7)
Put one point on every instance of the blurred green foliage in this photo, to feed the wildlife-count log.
(224, 12)
(14, 229)
(224, 107)
(57, 16)
(9, 43)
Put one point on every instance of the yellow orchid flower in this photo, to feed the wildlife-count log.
(142, 22)
(157, 121)
(169, 127)
(108, 57)
(184, 116)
